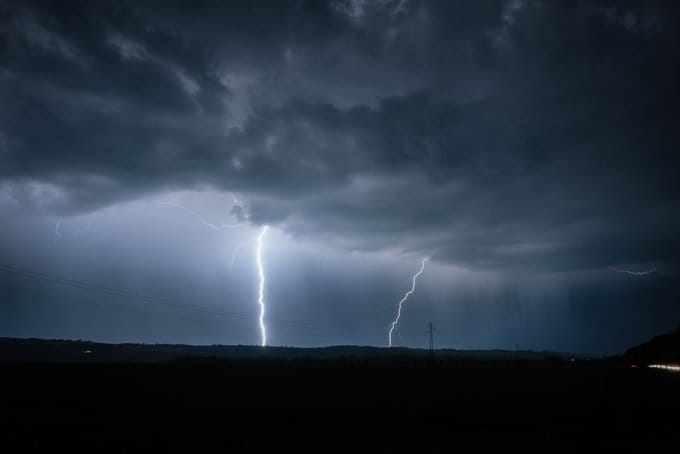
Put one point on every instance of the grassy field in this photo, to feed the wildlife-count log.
(273, 405)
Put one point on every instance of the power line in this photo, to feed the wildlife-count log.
(106, 306)
(47, 296)
(146, 298)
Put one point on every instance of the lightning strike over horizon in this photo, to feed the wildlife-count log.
(403, 300)
(260, 270)
(634, 273)
(260, 267)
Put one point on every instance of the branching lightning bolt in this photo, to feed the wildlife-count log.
(260, 270)
(403, 300)
(634, 273)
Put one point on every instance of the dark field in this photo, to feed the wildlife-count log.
(277, 405)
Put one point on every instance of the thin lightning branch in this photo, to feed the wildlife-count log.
(203, 220)
(634, 273)
(57, 233)
(403, 300)
(233, 258)
(260, 271)
(235, 253)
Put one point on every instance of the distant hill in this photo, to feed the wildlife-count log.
(663, 349)
(43, 350)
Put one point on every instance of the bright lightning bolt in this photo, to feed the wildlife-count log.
(403, 300)
(260, 270)
(634, 273)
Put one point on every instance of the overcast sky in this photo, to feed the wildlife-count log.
(527, 147)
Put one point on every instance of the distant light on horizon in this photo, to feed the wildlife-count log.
(671, 367)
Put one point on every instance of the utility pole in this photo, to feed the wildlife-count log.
(430, 330)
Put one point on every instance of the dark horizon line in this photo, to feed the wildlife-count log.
(417, 350)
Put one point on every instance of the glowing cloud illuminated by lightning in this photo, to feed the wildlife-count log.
(403, 300)
(260, 270)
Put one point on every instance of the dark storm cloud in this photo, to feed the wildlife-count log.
(489, 134)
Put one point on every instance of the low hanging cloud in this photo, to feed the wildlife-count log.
(508, 134)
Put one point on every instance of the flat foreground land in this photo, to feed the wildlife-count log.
(273, 405)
